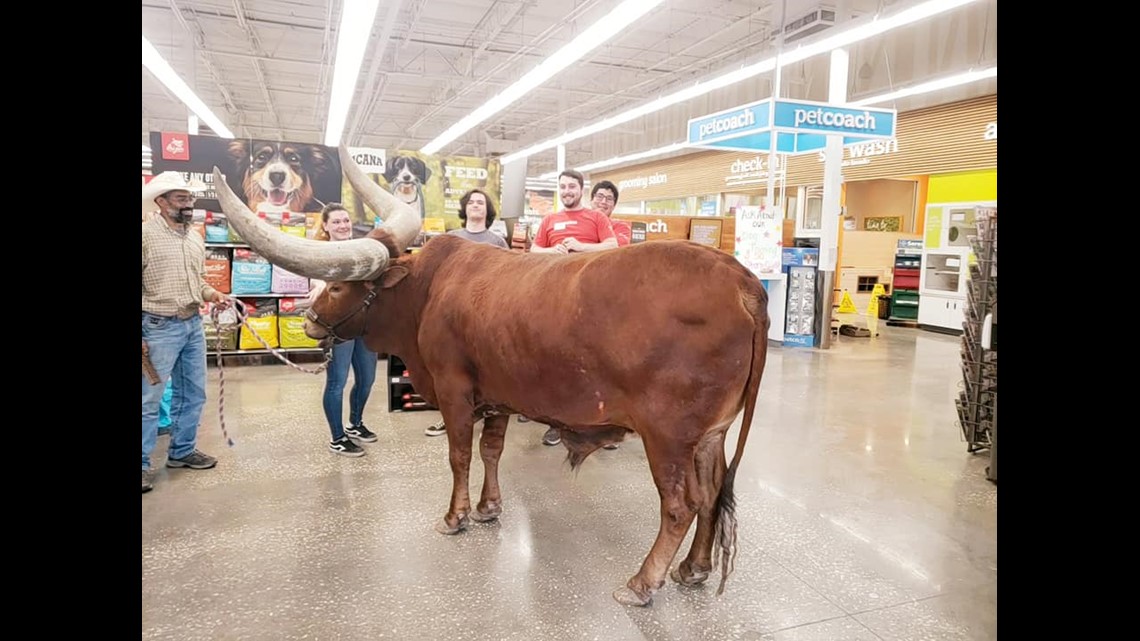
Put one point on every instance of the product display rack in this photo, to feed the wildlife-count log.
(977, 402)
(905, 284)
(402, 397)
(260, 350)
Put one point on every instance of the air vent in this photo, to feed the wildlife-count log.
(811, 22)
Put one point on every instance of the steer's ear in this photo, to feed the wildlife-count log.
(392, 275)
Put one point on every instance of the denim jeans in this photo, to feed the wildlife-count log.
(178, 352)
(363, 361)
(164, 406)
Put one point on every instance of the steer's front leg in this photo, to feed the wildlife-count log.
(460, 421)
(490, 449)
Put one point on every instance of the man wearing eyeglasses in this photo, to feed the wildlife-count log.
(173, 290)
(605, 197)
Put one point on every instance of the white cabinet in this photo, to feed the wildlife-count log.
(941, 311)
(942, 287)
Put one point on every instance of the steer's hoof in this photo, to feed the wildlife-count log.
(491, 514)
(443, 528)
(626, 596)
(697, 578)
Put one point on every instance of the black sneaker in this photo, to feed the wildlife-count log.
(361, 433)
(194, 460)
(345, 447)
(552, 437)
(148, 481)
(436, 429)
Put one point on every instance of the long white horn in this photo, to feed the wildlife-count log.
(398, 216)
(357, 259)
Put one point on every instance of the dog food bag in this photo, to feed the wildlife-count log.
(224, 335)
(250, 273)
(312, 224)
(218, 269)
(264, 216)
(261, 315)
(291, 323)
(286, 282)
(217, 229)
(294, 224)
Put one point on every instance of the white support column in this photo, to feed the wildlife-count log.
(560, 166)
(832, 184)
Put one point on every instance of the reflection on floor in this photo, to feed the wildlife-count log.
(862, 516)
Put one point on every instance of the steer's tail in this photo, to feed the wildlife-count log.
(724, 538)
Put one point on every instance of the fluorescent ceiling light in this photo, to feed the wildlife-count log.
(356, 19)
(599, 32)
(927, 87)
(923, 88)
(862, 30)
(660, 151)
(166, 75)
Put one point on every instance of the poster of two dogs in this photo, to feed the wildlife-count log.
(274, 177)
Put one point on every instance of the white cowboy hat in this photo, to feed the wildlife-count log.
(165, 182)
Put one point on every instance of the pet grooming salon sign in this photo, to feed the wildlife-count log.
(431, 185)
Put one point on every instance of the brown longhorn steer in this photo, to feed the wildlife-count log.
(664, 339)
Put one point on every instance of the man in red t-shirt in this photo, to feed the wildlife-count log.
(605, 196)
(575, 228)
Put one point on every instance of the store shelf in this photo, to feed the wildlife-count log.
(268, 295)
(256, 352)
(400, 386)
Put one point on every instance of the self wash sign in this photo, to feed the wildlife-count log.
(799, 126)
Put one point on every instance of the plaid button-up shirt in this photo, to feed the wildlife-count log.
(173, 270)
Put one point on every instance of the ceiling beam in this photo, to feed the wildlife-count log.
(254, 44)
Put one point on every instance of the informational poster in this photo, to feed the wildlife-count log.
(539, 202)
(637, 232)
(431, 185)
(269, 176)
(759, 239)
(706, 232)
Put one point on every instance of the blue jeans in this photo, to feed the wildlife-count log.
(363, 361)
(164, 406)
(178, 352)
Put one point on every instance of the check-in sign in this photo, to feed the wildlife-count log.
(815, 117)
(730, 123)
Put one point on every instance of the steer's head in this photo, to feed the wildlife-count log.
(352, 269)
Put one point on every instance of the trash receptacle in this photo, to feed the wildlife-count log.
(884, 307)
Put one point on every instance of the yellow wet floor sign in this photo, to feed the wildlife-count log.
(873, 305)
(846, 306)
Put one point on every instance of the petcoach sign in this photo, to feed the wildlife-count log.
(799, 126)
(731, 123)
(813, 117)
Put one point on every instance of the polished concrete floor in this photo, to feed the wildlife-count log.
(862, 517)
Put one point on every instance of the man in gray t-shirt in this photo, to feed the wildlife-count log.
(477, 213)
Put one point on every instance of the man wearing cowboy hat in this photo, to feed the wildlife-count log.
(173, 289)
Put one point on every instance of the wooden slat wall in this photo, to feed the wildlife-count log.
(678, 227)
(942, 139)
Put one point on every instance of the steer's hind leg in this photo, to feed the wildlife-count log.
(460, 422)
(672, 465)
(710, 467)
(490, 449)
